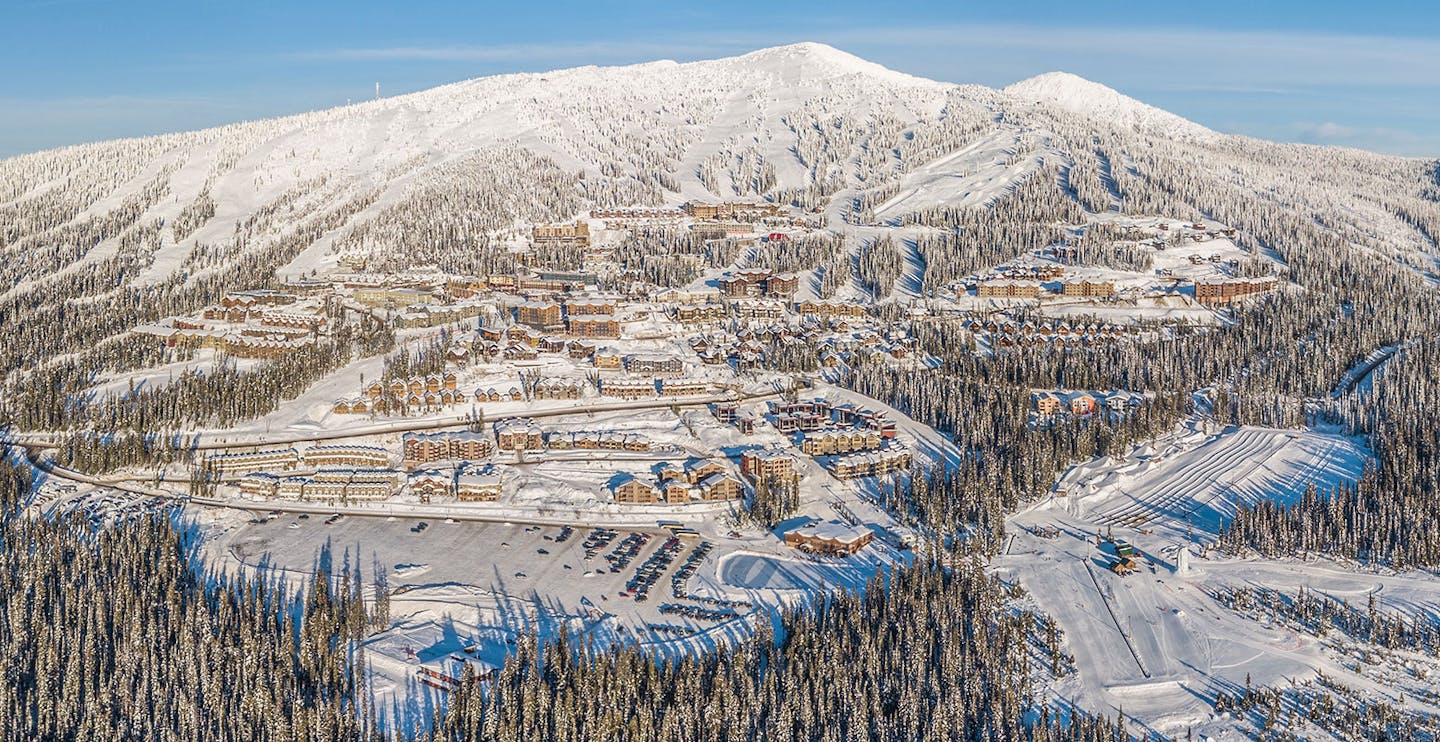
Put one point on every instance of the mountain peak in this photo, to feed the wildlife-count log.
(814, 60)
(1078, 95)
(812, 50)
(1058, 85)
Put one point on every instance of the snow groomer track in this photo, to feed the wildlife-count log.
(1235, 468)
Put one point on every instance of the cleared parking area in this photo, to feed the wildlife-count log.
(623, 576)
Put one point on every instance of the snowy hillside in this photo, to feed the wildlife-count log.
(445, 175)
(1078, 95)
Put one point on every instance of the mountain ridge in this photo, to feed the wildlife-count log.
(1087, 97)
(805, 62)
(803, 124)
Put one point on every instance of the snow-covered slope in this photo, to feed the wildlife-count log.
(455, 166)
(810, 62)
(1078, 95)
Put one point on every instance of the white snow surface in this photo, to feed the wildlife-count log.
(1078, 95)
(1157, 645)
(672, 117)
(813, 114)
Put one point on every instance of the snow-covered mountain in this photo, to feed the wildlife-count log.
(451, 167)
(1084, 97)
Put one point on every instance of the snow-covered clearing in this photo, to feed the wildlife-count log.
(1157, 644)
(1199, 480)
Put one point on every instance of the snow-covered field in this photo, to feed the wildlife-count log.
(480, 575)
(1157, 644)
(1202, 481)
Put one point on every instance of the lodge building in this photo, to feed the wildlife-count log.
(627, 388)
(477, 488)
(541, 314)
(767, 464)
(737, 211)
(592, 326)
(1006, 289)
(831, 442)
(372, 457)
(654, 365)
(1224, 292)
(833, 539)
(1087, 288)
(682, 387)
(633, 491)
(577, 233)
(871, 463)
(460, 445)
(274, 459)
(519, 434)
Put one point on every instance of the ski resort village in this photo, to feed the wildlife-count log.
(660, 358)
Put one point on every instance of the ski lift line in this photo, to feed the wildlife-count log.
(1113, 617)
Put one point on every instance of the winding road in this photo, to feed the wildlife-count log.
(33, 444)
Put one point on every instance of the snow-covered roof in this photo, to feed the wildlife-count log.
(832, 531)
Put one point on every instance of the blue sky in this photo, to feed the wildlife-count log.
(1321, 71)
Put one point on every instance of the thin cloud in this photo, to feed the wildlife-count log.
(1240, 89)
(1388, 139)
(1243, 61)
(1329, 131)
(600, 51)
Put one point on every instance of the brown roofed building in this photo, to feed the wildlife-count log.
(782, 284)
(731, 211)
(592, 326)
(538, 314)
(720, 486)
(834, 539)
(767, 463)
(631, 490)
(1006, 289)
(577, 233)
(1087, 288)
(1224, 292)
(589, 306)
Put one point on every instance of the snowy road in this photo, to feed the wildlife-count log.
(214, 440)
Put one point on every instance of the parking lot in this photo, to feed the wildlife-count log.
(649, 573)
(616, 577)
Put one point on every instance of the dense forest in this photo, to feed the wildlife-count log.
(118, 633)
(1390, 517)
(905, 659)
(1282, 360)
(1008, 460)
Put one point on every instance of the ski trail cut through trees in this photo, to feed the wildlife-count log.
(1111, 610)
